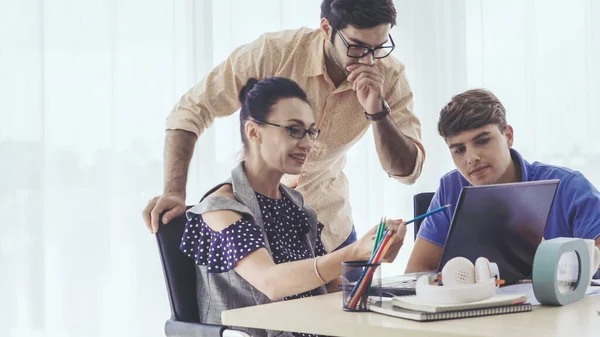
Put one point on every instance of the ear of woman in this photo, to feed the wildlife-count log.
(253, 132)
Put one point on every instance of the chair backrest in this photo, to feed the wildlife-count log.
(421, 203)
(179, 271)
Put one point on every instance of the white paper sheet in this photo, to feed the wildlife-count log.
(527, 288)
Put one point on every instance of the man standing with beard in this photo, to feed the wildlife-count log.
(351, 82)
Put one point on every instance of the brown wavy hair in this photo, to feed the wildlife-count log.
(470, 110)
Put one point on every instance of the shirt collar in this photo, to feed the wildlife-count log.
(315, 64)
(246, 195)
(525, 166)
(244, 192)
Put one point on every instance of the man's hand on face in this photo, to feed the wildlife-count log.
(367, 81)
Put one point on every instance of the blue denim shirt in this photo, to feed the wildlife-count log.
(575, 211)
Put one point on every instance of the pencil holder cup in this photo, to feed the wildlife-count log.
(361, 282)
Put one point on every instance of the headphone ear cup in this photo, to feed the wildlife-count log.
(494, 270)
(456, 294)
(457, 271)
(482, 270)
(423, 281)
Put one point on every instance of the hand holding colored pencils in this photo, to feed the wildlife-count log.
(380, 249)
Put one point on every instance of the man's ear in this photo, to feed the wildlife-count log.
(326, 29)
(509, 133)
(252, 132)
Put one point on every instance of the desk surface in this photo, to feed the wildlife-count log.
(324, 315)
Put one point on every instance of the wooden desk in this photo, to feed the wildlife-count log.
(324, 315)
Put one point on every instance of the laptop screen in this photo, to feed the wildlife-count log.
(504, 223)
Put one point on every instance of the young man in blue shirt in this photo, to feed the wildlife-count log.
(474, 126)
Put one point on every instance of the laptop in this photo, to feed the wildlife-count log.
(503, 222)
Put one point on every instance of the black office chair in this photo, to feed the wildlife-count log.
(180, 277)
(421, 203)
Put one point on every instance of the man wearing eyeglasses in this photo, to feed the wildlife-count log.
(352, 83)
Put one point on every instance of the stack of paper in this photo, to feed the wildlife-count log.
(411, 307)
(527, 289)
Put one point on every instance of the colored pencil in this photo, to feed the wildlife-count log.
(380, 248)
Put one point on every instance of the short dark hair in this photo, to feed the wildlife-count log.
(470, 110)
(357, 13)
(257, 98)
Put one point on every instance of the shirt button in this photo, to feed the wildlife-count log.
(325, 122)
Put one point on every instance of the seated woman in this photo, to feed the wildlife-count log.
(253, 239)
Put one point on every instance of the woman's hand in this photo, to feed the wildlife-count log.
(363, 248)
(398, 227)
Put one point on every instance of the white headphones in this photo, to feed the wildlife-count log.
(462, 282)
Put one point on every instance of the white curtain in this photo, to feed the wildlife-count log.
(85, 87)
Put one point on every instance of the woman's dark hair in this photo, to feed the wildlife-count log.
(357, 13)
(258, 97)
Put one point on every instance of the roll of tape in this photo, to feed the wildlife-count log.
(546, 270)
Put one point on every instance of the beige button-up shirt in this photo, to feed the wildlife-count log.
(299, 55)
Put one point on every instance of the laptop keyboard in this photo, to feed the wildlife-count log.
(401, 285)
(394, 282)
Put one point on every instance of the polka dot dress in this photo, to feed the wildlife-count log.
(285, 226)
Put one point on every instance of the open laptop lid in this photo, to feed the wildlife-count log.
(503, 222)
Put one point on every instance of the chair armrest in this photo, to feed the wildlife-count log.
(185, 329)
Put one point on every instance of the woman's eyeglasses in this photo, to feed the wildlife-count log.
(294, 131)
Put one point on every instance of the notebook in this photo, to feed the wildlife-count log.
(413, 303)
(385, 307)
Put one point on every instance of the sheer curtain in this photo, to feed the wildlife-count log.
(85, 88)
(540, 57)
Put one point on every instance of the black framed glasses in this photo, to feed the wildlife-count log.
(294, 131)
(359, 51)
